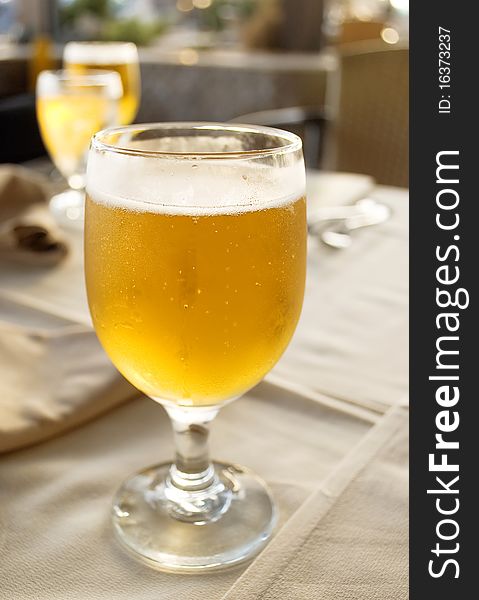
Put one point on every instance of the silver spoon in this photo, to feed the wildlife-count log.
(326, 214)
(339, 236)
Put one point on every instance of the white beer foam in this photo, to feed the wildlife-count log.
(100, 53)
(191, 187)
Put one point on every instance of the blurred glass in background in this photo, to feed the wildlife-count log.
(71, 108)
(121, 57)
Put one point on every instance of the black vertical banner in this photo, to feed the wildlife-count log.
(444, 269)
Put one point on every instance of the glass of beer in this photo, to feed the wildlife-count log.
(195, 258)
(70, 109)
(121, 57)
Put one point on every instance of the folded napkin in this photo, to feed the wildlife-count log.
(54, 374)
(28, 233)
(52, 378)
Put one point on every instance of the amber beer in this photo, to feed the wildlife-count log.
(195, 308)
(121, 57)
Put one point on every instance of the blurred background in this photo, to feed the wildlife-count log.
(334, 71)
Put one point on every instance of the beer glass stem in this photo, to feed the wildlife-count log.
(193, 487)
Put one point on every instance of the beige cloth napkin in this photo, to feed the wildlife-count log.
(53, 372)
(52, 378)
(27, 231)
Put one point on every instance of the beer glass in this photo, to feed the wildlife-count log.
(121, 57)
(195, 257)
(70, 109)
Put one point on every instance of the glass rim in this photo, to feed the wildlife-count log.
(88, 77)
(97, 52)
(99, 43)
(293, 142)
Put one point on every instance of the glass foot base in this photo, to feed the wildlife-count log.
(144, 523)
(68, 208)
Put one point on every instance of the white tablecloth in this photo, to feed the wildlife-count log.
(326, 430)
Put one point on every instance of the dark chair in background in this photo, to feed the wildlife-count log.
(21, 139)
(369, 101)
(18, 123)
(308, 123)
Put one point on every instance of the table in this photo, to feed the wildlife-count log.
(327, 429)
